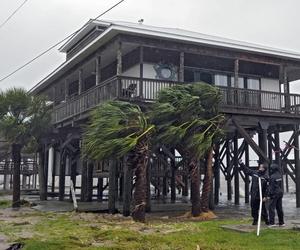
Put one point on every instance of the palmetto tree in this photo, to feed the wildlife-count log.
(187, 118)
(23, 119)
(116, 129)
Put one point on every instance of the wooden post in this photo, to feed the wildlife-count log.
(236, 171)
(228, 164)
(236, 73)
(270, 147)
(62, 175)
(173, 177)
(297, 166)
(119, 58)
(42, 176)
(263, 139)
(100, 189)
(53, 171)
(217, 174)
(90, 178)
(80, 81)
(141, 89)
(112, 186)
(73, 167)
(148, 199)
(66, 89)
(181, 67)
(16, 158)
(84, 174)
(283, 79)
(247, 181)
(98, 69)
(277, 147)
(127, 186)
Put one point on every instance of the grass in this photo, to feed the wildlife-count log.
(5, 204)
(92, 231)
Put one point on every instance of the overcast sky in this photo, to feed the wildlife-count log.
(40, 24)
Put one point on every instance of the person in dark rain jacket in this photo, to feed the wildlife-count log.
(255, 197)
(275, 195)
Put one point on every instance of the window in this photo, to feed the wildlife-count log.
(221, 80)
(253, 83)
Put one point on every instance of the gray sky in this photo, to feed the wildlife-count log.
(40, 24)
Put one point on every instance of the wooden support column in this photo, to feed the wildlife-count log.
(119, 67)
(127, 187)
(270, 147)
(100, 189)
(277, 147)
(148, 199)
(80, 81)
(263, 140)
(73, 168)
(228, 166)
(42, 175)
(98, 69)
(236, 170)
(141, 88)
(53, 171)
(297, 165)
(62, 175)
(90, 178)
(236, 73)
(66, 89)
(84, 174)
(173, 177)
(247, 180)
(112, 186)
(181, 67)
(283, 79)
(217, 174)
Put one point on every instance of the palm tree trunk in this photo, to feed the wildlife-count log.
(140, 193)
(207, 183)
(16, 157)
(195, 186)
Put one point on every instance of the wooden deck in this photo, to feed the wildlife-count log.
(234, 100)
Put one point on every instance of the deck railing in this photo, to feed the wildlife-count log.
(130, 88)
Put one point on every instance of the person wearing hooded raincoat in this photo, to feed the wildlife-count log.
(255, 197)
(275, 195)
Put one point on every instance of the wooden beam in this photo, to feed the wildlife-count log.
(98, 69)
(112, 197)
(297, 165)
(173, 176)
(236, 73)
(247, 181)
(250, 141)
(62, 175)
(141, 71)
(181, 67)
(119, 58)
(127, 186)
(80, 81)
(236, 170)
(217, 174)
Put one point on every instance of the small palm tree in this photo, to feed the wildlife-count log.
(187, 118)
(23, 119)
(115, 130)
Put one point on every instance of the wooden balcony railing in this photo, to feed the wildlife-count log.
(129, 88)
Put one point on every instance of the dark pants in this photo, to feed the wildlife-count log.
(255, 210)
(276, 202)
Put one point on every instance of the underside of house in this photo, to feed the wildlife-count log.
(133, 62)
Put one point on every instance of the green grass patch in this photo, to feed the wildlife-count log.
(81, 231)
(5, 204)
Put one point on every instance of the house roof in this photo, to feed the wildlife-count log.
(111, 28)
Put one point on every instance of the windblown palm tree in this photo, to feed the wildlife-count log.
(23, 119)
(115, 130)
(187, 118)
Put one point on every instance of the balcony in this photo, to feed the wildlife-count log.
(234, 100)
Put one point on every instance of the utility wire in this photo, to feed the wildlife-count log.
(55, 45)
(12, 14)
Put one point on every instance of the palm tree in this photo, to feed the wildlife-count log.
(116, 129)
(187, 118)
(23, 119)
